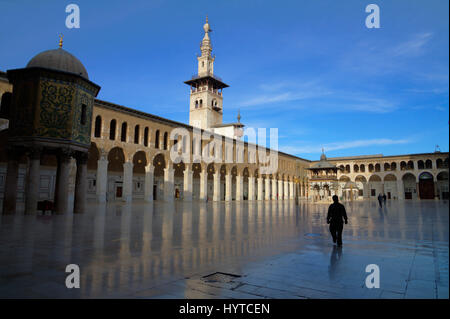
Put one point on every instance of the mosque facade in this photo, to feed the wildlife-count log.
(100, 151)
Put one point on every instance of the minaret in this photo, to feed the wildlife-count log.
(206, 101)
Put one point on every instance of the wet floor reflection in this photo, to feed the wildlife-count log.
(125, 247)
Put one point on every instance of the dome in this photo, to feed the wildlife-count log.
(58, 59)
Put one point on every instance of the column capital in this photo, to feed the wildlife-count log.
(65, 154)
(81, 158)
(149, 168)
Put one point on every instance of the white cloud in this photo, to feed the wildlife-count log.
(413, 46)
(316, 148)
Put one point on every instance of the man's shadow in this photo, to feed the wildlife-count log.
(335, 258)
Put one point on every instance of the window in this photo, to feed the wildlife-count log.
(83, 118)
(146, 136)
(165, 140)
(98, 126)
(157, 139)
(123, 134)
(112, 130)
(136, 134)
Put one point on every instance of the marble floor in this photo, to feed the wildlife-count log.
(227, 250)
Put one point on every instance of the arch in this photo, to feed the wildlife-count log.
(377, 167)
(409, 185)
(123, 132)
(196, 170)
(393, 166)
(94, 156)
(361, 179)
(362, 168)
(442, 185)
(355, 168)
(420, 164)
(157, 139)
(159, 164)
(402, 165)
(390, 178)
(201, 103)
(166, 140)
(428, 164)
(116, 159)
(347, 168)
(426, 175)
(387, 167)
(371, 168)
(136, 134)
(245, 181)
(410, 165)
(374, 178)
(139, 162)
(146, 136)
(426, 186)
(344, 179)
(98, 126)
(196, 104)
(112, 130)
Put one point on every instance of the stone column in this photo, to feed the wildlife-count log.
(102, 180)
(216, 186)
(274, 189)
(291, 190)
(33, 182)
(400, 189)
(228, 192)
(128, 182)
(168, 183)
(260, 188)
(62, 183)
(149, 181)
(187, 183)
(12, 175)
(267, 194)
(286, 190)
(280, 189)
(203, 184)
(251, 188)
(239, 186)
(80, 200)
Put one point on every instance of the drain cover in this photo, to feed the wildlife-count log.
(220, 277)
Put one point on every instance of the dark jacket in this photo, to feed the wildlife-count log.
(336, 214)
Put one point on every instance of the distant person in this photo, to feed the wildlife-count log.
(384, 198)
(336, 217)
(380, 200)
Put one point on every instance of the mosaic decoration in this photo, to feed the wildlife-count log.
(55, 110)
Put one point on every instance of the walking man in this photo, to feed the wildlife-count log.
(336, 217)
(380, 200)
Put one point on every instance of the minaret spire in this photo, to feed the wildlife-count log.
(206, 47)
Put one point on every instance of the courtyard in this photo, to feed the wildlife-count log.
(247, 249)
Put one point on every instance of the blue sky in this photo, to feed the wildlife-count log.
(309, 68)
